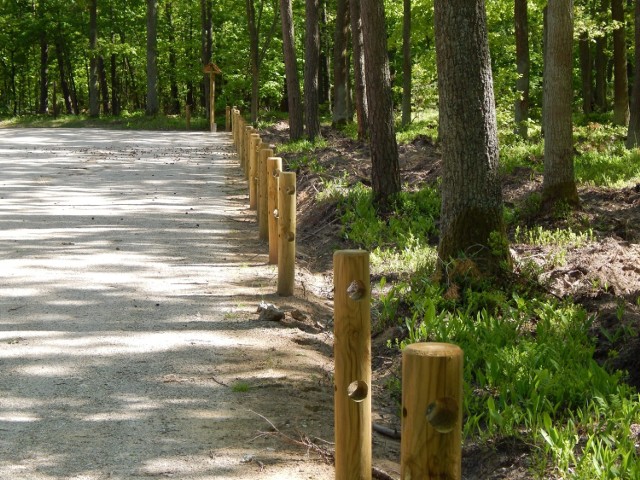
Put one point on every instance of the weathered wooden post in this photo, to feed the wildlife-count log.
(248, 131)
(352, 356)
(286, 233)
(263, 194)
(254, 145)
(187, 115)
(431, 445)
(212, 70)
(227, 118)
(274, 167)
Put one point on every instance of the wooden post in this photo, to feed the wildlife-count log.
(187, 115)
(228, 118)
(212, 70)
(274, 167)
(286, 233)
(248, 131)
(263, 194)
(431, 445)
(352, 356)
(253, 169)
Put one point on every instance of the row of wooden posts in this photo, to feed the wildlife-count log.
(272, 193)
(431, 439)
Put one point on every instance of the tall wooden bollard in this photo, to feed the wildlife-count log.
(263, 194)
(431, 445)
(286, 233)
(274, 167)
(254, 146)
(227, 118)
(248, 131)
(352, 356)
(187, 115)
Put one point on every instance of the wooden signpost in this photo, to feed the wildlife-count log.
(212, 70)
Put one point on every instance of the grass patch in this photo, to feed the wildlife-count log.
(303, 146)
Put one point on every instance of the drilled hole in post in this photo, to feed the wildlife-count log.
(358, 390)
(291, 190)
(442, 414)
(291, 236)
(356, 290)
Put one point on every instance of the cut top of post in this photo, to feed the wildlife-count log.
(433, 349)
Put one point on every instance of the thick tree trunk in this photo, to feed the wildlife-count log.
(324, 82)
(206, 47)
(94, 105)
(174, 102)
(601, 60)
(115, 87)
(586, 75)
(633, 134)
(64, 84)
(358, 69)
(523, 65)
(620, 81)
(559, 180)
(153, 105)
(406, 63)
(471, 192)
(311, 66)
(104, 88)
(44, 75)
(340, 67)
(385, 170)
(254, 55)
(296, 123)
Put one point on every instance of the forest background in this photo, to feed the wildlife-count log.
(551, 347)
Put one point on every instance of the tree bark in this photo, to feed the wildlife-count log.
(523, 66)
(296, 123)
(620, 81)
(44, 75)
(633, 134)
(601, 60)
(586, 75)
(559, 180)
(152, 58)
(94, 106)
(471, 190)
(104, 88)
(174, 102)
(406, 63)
(358, 69)
(254, 59)
(115, 87)
(206, 47)
(64, 84)
(311, 66)
(385, 170)
(340, 70)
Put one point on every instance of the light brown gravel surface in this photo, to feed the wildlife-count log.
(130, 273)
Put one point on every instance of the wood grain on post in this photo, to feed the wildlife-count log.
(263, 194)
(227, 118)
(212, 102)
(254, 145)
(352, 356)
(274, 167)
(431, 445)
(248, 131)
(286, 233)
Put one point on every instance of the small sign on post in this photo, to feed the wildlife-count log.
(212, 70)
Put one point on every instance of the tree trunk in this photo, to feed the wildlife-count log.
(94, 106)
(586, 72)
(104, 88)
(44, 75)
(633, 135)
(174, 102)
(559, 181)
(152, 58)
(340, 70)
(296, 123)
(311, 66)
(115, 101)
(206, 47)
(358, 69)
(385, 170)
(254, 55)
(406, 63)
(324, 83)
(620, 81)
(523, 65)
(64, 84)
(471, 191)
(601, 60)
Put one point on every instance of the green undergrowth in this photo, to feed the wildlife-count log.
(125, 121)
